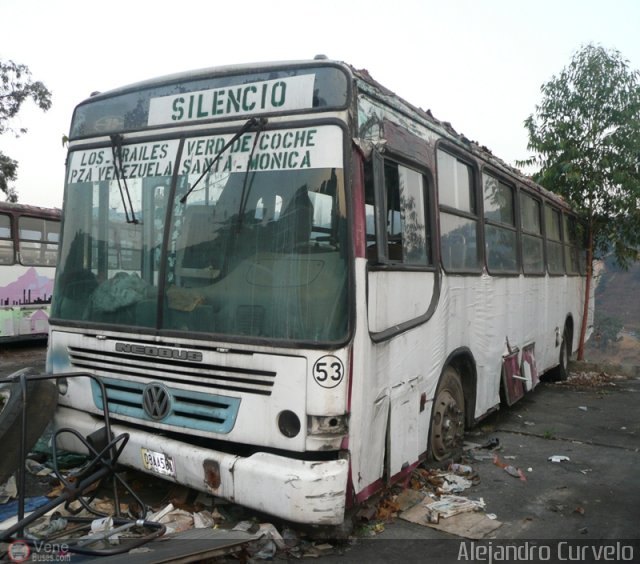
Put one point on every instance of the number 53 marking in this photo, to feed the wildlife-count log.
(328, 371)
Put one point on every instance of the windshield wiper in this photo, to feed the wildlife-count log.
(244, 196)
(253, 122)
(116, 150)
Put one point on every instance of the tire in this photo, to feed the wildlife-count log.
(446, 435)
(561, 372)
(42, 398)
(563, 368)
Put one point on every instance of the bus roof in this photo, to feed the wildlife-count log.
(363, 77)
(30, 210)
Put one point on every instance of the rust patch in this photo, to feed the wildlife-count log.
(212, 473)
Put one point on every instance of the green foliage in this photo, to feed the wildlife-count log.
(16, 86)
(586, 138)
(8, 173)
(606, 330)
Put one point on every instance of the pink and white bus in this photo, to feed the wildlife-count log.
(28, 254)
(296, 286)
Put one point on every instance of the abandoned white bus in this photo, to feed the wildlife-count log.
(296, 286)
(28, 254)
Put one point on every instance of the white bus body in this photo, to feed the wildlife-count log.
(28, 252)
(295, 336)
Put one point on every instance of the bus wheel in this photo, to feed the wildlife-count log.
(42, 397)
(447, 418)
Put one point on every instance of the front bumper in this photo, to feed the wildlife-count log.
(300, 491)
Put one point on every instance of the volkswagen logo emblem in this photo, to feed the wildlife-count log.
(156, 401)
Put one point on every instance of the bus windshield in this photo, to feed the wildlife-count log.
(256, 249)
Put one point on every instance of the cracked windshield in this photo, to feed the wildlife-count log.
(252, 243)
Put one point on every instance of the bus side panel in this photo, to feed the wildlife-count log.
(394, 381)
(25, 298)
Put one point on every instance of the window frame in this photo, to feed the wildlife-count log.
(454, 212)
(381, 260)
(514, 228)
(549, 205)
(571, 246)
(11, 247)
(527, 233)
(45, 246)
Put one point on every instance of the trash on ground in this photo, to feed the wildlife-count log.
(8, 490)
(559, 458)
(177, 521)
(509, 469)
(492, 443)
(37, 469)
(460, 468)
(387, 509)
(583, 408)
(590, 380)
(472, 523)
(480, 455)
(266, 547)
(450, 505)
(452, 483)
(46, 528)
(10, 509)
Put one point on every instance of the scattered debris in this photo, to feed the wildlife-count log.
(559, 458)
(509, 469)
(450, 505)
(480, 455)
(8, 490)
(472, 523)
(460, 468)
(590, 380)
(491, 444)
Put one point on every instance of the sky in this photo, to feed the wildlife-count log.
(478, 64)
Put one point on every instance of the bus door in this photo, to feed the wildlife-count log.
(401, 288)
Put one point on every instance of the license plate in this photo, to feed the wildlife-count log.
(158, 462)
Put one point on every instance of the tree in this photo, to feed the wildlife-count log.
(606, 330)
(586, 138)
(16, 86)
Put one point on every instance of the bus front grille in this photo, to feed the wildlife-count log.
(206, 377)
(168, 405)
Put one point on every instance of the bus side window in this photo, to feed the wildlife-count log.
(555, 248)
(532, 244)
(404, 211)
(38, 241)
(6, 242)
(458, 215)
(571, 244)
(501, 239)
